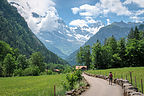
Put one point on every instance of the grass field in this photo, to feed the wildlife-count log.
(137, 72)
(32, 85)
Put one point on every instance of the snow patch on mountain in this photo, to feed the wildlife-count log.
(43, 19)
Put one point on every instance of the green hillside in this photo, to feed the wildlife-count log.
(14, 31)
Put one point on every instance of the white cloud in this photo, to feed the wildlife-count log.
(108, 22)
(45, 9)
(140, 3)
(78, 22)
(137, 19)
(90, 20)
(103, 7)
(75, 10)
(139, 12)
(50, 22)
(114, 6)
(48, 41)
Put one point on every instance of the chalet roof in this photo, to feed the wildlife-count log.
(57, 70)
(80, 67)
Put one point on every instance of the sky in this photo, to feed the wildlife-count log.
(77, 12)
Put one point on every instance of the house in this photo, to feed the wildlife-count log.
(81, 67)
(56, 70)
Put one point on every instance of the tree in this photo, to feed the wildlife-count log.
(80, 56)
(122, 51)
(21, 62)
(1, 70)
(96, 55)
(38, 60)
(4, 50)
(131, 34)
(106, 57)
(87, 56)
(136, 34)
(8, 65)
(83, 56)
(112, 43)
(132, 53)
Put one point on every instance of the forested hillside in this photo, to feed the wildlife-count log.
(117, 29)
(14, 31)
(115, 54)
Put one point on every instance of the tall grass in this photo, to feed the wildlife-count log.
(124, 73)
(32, 85)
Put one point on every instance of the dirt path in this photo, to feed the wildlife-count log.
(100, 87)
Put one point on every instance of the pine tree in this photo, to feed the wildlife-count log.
(122, 51)
(112, 43)
(131, 34)
(136, 34)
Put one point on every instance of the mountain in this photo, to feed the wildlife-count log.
(52, 30)
(15, 31)
(117, 29)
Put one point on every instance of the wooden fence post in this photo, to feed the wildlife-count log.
(131, 77)
(126, 76)
(51, 92)
(121, 76)
(135, 82)
(114, 75)
(142, 85)
(54, 90)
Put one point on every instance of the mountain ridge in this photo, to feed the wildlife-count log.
(57, 37)
(117, 29)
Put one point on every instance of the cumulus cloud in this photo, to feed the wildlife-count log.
(78, 22)
(50, 22)
(140, 3)
(90, 20)
(83, 22)
(108, 22)
(114, 6)
(44, 8)
(75, 10)
(103, 7)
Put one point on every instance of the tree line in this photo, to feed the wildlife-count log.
(13, 63)
(114, 53)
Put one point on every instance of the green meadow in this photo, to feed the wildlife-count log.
(32, 85)
(137, 72)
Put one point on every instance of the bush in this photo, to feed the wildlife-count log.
(72, 80)
(18, 72)
(31, 71)
(78, 74)
(49, 72)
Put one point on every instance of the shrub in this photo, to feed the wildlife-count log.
(31, 71)
(49, 72)
(78, 74)
(18, 72)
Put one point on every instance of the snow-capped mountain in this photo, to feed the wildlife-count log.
(51, 29)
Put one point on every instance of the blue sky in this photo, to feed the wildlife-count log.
(106, 11)
(77, 13)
